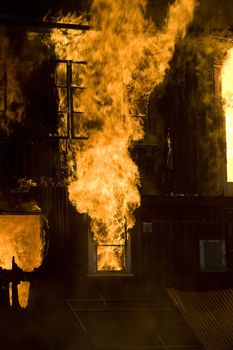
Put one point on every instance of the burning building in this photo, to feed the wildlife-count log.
(116, 153)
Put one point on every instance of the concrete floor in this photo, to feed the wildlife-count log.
(52, 322)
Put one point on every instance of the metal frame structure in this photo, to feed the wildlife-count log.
(35, 23)
(69, 108)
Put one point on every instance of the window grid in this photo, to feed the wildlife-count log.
(66, 90)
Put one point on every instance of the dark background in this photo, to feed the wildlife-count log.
(210, 14)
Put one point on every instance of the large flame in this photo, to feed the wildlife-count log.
(227, 94)
(127, 57)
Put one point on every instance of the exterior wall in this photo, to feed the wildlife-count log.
(170, 255)
(173, 200)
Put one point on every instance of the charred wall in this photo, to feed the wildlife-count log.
(188, 121)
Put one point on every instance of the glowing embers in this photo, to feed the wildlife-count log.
(21, 238)
(227, 94)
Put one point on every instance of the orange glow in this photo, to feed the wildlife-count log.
(20, 236)
(110, 258)
(227, 94)
(10, 293)
(23, 293)
(127, 57)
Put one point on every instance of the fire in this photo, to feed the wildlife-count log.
(23, 293)
(110, 258)
(227, 94)
(20, 237)
(127, 56)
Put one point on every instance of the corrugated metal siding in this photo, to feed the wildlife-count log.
(209, 314)
(170, 253)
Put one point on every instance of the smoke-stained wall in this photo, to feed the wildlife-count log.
(189, 108)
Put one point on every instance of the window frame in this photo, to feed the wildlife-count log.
(92, 258)
(203, 253)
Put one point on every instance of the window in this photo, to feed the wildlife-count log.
(69, 86)
(212, 255)
(105, 258)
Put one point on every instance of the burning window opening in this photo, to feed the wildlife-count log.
(21, 250)
(109, 256)
(69, 84)
(227, 94)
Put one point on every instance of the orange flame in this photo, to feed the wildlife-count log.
(23, 293)
(20, 236)
(227, 94)
(127, 57)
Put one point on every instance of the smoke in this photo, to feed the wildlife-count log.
(214, 15)
(12, 100)
(18, 65)
(196, 78)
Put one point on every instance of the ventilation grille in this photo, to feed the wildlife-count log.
(212, 255)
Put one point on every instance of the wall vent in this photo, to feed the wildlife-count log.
(212, 255)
